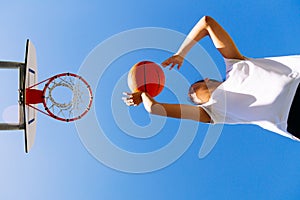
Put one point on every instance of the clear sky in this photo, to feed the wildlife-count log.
(246, 162)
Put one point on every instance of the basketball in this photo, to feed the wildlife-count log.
(146, 76)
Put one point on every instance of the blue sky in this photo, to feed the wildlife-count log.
(246, 163)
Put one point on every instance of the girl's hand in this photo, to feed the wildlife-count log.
(173, 60)
(132, 99)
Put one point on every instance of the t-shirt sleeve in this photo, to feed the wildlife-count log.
(229, 64)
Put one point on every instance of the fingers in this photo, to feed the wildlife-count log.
(179, 65)
(131, 99)
(165, 63)
(173, 61)
(128, 101)
(127, 94)
(168, 62)
(172, 66)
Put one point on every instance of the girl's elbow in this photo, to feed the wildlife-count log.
(207, 20)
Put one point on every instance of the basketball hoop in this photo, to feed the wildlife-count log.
(66, 97)
(68, 109)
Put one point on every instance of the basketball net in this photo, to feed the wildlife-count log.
(72, 109)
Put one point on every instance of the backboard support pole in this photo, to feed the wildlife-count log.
(11, 65)
(21, 67)
(12, 126)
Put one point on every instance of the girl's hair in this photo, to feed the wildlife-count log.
(192, 90)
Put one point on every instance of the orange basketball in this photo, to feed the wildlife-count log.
(146, 76)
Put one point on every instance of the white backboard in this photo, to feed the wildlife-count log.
(29, 80)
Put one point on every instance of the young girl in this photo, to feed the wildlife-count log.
(256, 91)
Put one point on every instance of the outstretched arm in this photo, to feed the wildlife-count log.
(181, 111)
(220, 38)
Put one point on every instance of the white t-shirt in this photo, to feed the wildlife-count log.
(256, 91)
